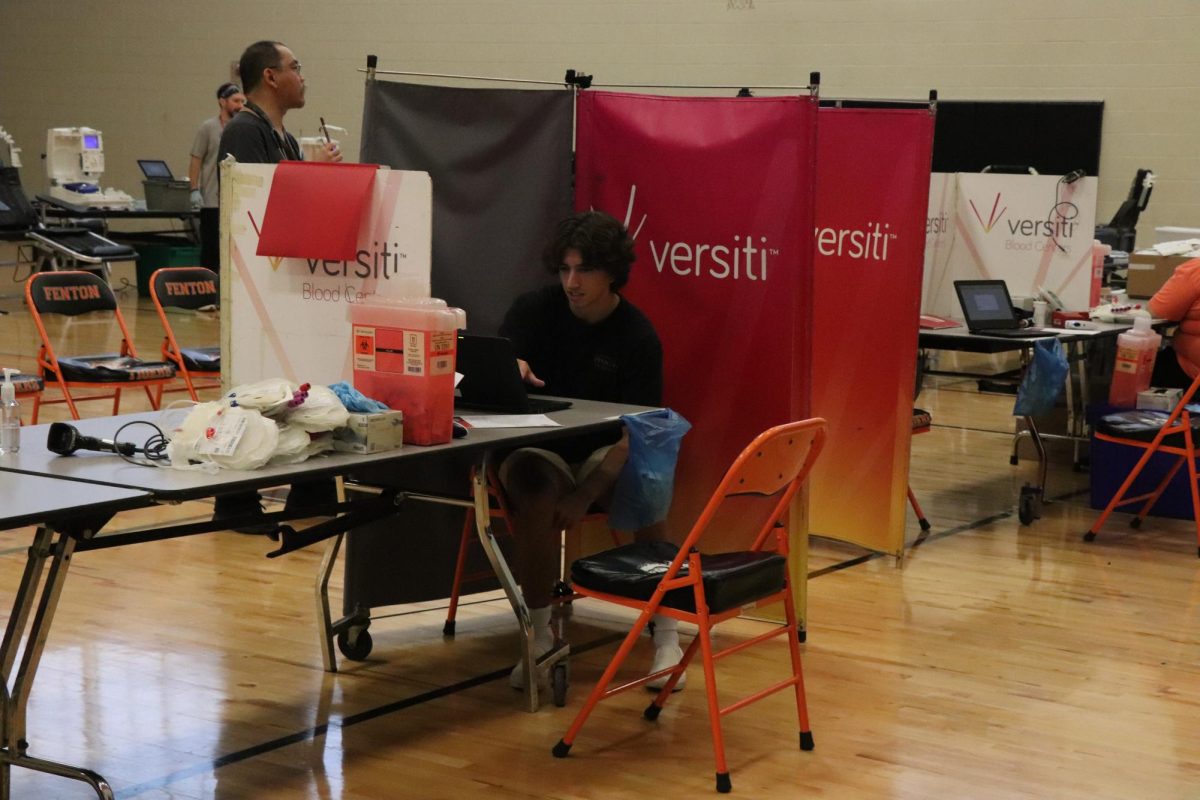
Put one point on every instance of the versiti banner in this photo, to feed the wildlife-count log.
(718, 193)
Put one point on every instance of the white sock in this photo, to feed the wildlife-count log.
(666, 631)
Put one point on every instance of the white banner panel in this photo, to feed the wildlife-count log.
(1029, 230)
(289, 317)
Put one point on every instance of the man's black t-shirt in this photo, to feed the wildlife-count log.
(252, 140)
(617, 360)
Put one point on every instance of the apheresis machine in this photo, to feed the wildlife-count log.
(74, 164)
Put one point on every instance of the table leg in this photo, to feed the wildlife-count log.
(13, 742)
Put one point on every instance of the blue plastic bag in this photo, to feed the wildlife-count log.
(1043, 380)
(644, 488)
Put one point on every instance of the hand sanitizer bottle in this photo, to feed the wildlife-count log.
(10, 415)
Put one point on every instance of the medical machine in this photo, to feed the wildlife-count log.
(10, 154)
(74, 164)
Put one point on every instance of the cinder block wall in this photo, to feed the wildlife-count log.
(144, 71)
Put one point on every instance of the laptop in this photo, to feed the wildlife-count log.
(155, 170)
(988, 311)
(492, 381)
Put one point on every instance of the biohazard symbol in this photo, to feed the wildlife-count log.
(364, 345)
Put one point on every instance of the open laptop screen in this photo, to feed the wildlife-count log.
(155, 169)
(985, 303)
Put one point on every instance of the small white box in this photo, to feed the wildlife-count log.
(370, 433)
(1161, 399)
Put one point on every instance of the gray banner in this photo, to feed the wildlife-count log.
(500, 160)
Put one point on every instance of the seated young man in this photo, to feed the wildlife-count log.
(579, 338)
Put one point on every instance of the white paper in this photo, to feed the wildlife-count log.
(511, 421)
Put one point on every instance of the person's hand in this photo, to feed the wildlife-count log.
(527, 374)
(571, 508)
(329, 153)
(195, 198)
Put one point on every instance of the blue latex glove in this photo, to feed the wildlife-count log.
(354, 400)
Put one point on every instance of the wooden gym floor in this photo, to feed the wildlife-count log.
(1000, 661)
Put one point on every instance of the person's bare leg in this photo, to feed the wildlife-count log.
(534, 487)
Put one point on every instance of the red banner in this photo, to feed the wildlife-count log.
(872, 197)
(718, 193)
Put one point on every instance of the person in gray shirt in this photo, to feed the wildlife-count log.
(202, 171)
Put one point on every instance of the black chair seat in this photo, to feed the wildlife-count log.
(27, 384)
(634, 571)
(112, 368)
(202, 359)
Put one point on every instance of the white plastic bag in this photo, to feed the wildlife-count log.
(320, 411)
(229, 437)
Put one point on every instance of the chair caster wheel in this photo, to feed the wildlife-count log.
(558, 684)
(561, 749)
(1030, 507)
(355, 648)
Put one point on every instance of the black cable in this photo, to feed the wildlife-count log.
(1053, 212)
(153, 450)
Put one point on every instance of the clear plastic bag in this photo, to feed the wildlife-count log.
(1043, 380)
(646, 484)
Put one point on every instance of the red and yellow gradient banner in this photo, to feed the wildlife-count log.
(718, 193)
(872, 196)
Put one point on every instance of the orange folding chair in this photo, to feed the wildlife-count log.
(1175, 437)
(192, 289)
(658, 577)
(70, 294)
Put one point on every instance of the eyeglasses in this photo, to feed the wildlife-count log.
(295, 66)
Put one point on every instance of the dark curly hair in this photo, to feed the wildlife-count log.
(601, 241)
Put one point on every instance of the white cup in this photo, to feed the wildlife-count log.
(1041, 313)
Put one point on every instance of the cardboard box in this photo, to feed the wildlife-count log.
(1160, 399)
(1148, 271)
(370, 433)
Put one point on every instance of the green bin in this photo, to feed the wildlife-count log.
(156, 256)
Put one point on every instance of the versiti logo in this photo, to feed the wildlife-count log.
(1057, 225)
(869, 243)
(381, 262)
(743, 258)
(740, 259)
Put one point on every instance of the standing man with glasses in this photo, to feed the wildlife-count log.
(274, 85)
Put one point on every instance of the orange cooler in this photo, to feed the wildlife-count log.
(404, 353)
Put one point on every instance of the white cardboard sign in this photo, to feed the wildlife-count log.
(1029, 230)
(289, 317)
